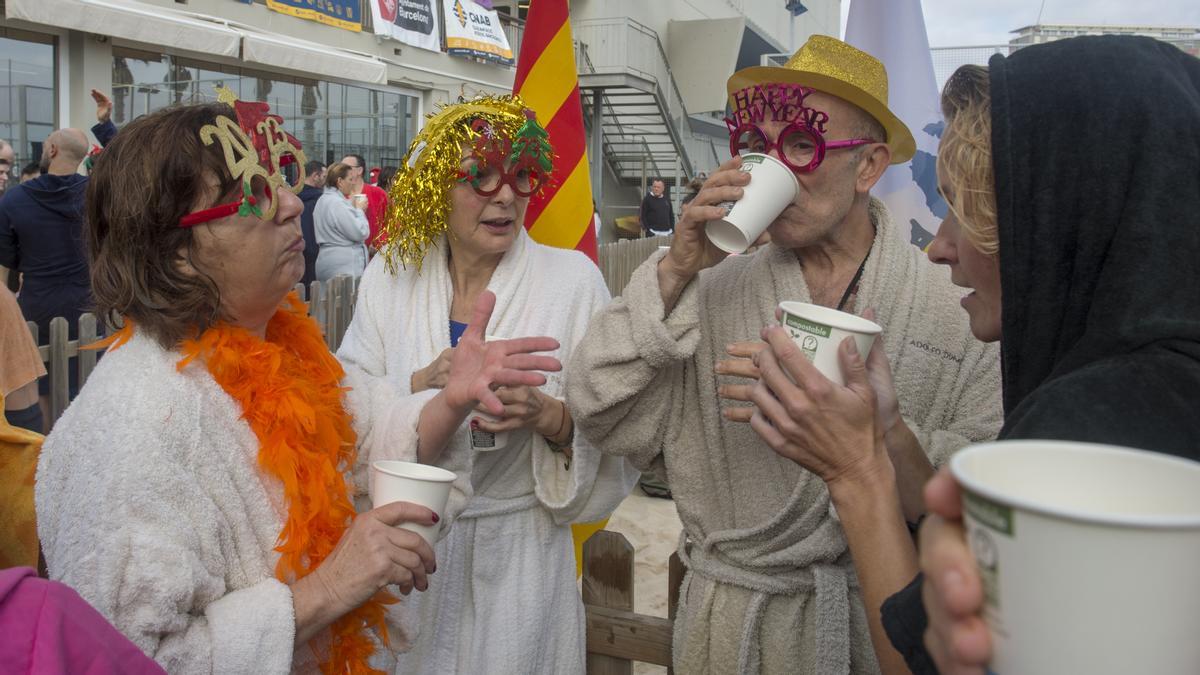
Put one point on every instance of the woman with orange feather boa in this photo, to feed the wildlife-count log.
(200, 491)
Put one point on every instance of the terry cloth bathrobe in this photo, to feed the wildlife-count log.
(504, 598)
(151, 504)
(770, 585)
(341, 229)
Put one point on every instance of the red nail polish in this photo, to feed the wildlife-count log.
(474, 424)
(435, 518)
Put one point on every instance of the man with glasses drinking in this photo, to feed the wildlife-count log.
(662, 376)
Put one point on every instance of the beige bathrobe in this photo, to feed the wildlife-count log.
(770, 586)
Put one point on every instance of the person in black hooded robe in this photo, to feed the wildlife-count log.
(1094, 234)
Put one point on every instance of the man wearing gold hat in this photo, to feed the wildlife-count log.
(770, 585)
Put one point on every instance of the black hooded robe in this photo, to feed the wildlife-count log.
(1096, 151)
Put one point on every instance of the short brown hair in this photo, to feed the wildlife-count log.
(152, 174)
(336, 172)
(965, 155)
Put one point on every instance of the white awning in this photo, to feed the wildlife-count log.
(130, 20)
(140, 22)
(309, 57)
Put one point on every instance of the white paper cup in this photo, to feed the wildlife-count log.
(819, 331)
(1088, 555)
(486, 441)
(428, 486)
(772, 187)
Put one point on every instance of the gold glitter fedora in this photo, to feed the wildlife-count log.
(834, 67)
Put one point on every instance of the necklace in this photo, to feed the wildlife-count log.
(854, 282)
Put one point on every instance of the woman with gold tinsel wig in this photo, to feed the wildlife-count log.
(504, 599)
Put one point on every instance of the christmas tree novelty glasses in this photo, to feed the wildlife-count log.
(487, 179)
(522, 163)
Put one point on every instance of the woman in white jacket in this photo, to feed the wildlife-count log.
(199, 491)
(504, 599)
(341, 226)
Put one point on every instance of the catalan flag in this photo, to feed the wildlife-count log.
(561, 215)
(547, 81)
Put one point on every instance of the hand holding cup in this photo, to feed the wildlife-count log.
(691, 251)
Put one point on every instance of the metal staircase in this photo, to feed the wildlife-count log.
(623, 69)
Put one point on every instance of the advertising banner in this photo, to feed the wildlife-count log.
(413, 22)
(342, 14)
(472, 30)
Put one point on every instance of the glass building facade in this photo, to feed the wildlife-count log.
(330, 119)
(28, 97)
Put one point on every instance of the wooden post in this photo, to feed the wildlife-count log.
(330, 318)
(344, 291)
(675, 572)
(314, 301)
(59, 376)
(87, 357)
(608, 583)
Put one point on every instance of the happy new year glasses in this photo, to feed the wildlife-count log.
(800, 147)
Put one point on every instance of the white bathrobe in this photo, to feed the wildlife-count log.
(341, 230)
(504, 598)
(151, 505)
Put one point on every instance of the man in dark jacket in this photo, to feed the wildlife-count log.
(658, 218)
(314, 182)
(41, 224)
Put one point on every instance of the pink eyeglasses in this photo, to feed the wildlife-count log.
(800, 147)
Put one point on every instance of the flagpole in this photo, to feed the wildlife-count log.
(597, 147)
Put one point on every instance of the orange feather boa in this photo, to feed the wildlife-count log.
(289, 389)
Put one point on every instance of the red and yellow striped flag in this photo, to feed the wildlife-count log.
(562, 215)
(546, 79)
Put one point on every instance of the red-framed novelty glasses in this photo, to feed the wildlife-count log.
(527, 153)
(801, 147)
(487, 179)
(261, 157)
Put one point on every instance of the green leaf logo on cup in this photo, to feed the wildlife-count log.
(818, 332)
(1088, 556)
(772, 188)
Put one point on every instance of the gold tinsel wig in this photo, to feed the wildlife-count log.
(419, 199)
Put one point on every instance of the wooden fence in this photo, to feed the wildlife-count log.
(331, 303)
(619, 259)
(616, 636)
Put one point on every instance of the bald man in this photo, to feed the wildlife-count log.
(40, 237)
(63, 152)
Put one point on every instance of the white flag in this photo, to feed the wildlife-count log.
(893, 31)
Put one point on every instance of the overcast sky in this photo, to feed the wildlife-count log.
(959, 23)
